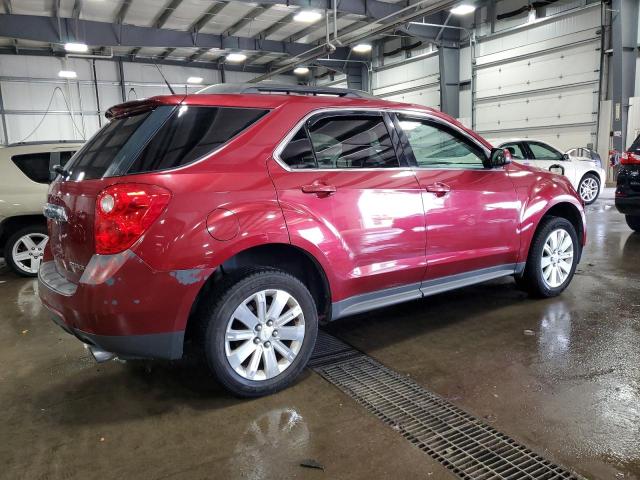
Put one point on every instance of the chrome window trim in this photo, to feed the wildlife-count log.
(417, 113)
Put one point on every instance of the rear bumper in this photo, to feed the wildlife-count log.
(153, 345)
(628, 205)
(123, 306)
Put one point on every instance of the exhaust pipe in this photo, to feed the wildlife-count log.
(99, 355)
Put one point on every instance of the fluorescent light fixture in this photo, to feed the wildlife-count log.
(362, 48)
(236, 57)
(301, 70)
(76, 47)
(463, 9)
(194, 80)
(307, 16)
(67, 74)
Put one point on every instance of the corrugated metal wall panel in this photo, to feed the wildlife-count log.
(29, 83)
(541, 81)
(412, 81)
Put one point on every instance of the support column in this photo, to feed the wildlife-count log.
(449, 80)
(624, 42)
(123, 90)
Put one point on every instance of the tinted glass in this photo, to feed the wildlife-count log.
(298, 153)
(435, 146)
(100, 151)
(34, 165)
(352, 142)
(191, 133)
(65, 157)
(544, 152)
(635, 146)
(516, 150)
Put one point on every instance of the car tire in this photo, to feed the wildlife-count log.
(548, 271)
(589, 188)
(633, 221)
(17, 245)
(233, 362)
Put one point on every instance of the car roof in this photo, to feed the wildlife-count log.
(303, 102)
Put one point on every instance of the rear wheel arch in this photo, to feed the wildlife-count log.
(280, 256)
(11, 225)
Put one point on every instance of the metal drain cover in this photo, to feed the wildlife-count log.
(465, 445)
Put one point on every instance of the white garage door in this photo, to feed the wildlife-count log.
(541, 81)
(414, 81)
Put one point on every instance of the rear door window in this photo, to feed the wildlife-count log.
(34, 165)
(352, 141)
(341, 142)
(635, 146)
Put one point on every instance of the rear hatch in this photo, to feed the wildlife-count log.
(141, 137)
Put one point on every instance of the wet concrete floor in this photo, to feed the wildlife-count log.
(561, 376)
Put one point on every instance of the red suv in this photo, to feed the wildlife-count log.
(236, 220)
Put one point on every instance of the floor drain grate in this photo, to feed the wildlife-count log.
(465, 445)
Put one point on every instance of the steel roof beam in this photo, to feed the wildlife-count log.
(247, 19)
(39, 28)
(46, 52)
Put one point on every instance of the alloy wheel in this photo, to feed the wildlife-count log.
(589, 189)
(264, 334)
(557, 258)
(27, 252)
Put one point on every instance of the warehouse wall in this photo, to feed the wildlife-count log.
(414, 79)
(541, 81)
(40, 106)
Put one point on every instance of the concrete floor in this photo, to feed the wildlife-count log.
(561, 376)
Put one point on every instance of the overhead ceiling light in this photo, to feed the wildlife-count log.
(67, 74)
(194, 80)
(301, 70)
(236, 57)
(307, 16)
(362, 48)
(463, 9)
(76, 47)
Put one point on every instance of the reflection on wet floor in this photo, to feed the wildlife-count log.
(561, 376)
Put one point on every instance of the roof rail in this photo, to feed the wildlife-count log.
(281, 88)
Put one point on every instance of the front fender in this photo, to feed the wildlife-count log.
(540, 193)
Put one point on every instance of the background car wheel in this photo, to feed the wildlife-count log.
(259, 332)
(24, 250)
(633, 221)
(589, 188)
(553, 258)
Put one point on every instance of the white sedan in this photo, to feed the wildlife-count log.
(585, 174)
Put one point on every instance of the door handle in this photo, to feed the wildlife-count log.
(440, 189)
(320, 189)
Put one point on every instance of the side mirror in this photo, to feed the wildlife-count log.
(565, 156)
(499, 157)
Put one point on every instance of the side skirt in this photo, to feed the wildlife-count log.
(391, 296)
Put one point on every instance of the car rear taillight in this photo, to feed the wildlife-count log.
(629, 158)
(124, 212)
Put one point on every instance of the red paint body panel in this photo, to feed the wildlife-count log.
(371, 231)
(380, 229)
(473, 225)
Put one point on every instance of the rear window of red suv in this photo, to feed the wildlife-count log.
(635, 146)
(159, 139)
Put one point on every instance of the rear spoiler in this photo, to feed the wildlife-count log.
(138, 106)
